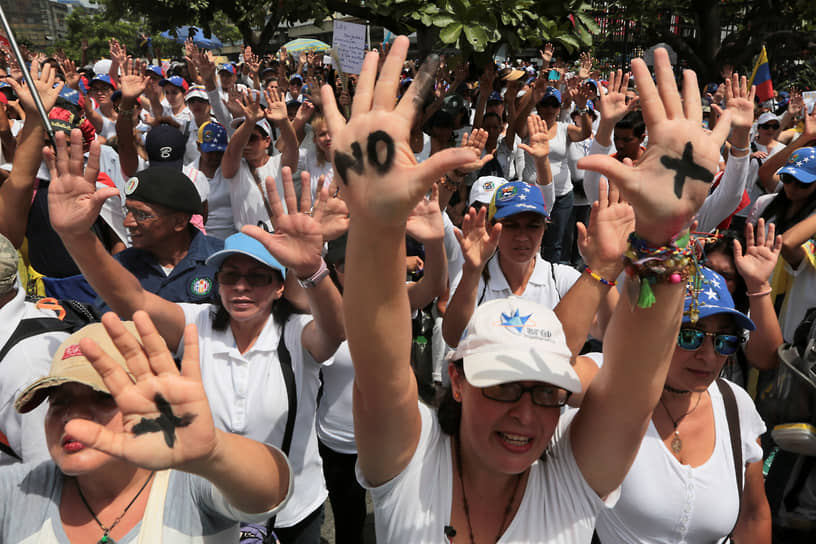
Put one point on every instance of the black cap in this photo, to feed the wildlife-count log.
(165, 146)
(165, 186)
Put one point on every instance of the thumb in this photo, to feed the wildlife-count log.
(444, 161)
(583, 237)
(101, 195)
(616, 171)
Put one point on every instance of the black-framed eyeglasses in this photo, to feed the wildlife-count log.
(790, 178)
(140, 216)
(254, 279)
(545, 395)
(692, 339)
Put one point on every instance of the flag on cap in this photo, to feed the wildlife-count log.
(761, 77)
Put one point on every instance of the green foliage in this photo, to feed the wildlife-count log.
(478, 26)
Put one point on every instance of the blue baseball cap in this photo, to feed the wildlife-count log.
(296, 76)
(69, 94)
(212, 136)
(155, 70)
(242, 244)
(516, 197)
(551, 92)
(227, 67)
(593, 83)
(713, 298)
(103, 78)
(801, 165)
(495, 96)
(176, 81)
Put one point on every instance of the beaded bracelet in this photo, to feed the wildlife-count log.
(596, 277)
(672, 263)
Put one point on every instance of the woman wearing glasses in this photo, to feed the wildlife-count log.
(688, 444)
(479, 477)
(246, 338)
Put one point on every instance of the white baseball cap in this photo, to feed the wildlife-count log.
(483, 188)
(512, 340)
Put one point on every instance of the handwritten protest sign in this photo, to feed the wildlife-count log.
(349, 42)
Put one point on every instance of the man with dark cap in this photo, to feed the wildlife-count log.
(21, 437)
(168, 254)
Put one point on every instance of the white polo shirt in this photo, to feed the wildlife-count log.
(247, 396)
(547, 285)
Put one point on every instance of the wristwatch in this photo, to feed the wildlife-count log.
(315, 278)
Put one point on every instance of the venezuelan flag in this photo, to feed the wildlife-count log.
(761, 77)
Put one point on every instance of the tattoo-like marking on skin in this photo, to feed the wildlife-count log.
(165, 423)
(373, 157)
(344, 161)
(686, 168)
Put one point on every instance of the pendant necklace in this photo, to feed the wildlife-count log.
(507, 509)
(676, 443)
(106, 530)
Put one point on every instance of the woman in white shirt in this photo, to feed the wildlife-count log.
(485, 482)
(246, 337)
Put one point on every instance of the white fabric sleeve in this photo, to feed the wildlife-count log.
(726, 197)
(548, 193)
(222, 114)
(592, 179)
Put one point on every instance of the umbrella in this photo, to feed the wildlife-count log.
(306, 44)
(183, 32)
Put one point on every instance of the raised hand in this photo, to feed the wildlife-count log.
(796, 103)
(613, 105)
(539, 146)
(604, 240)
(425, 222)
(477, 242)
(249, 104)
(166, 415)
(378, 173)
(547, 53)
(739, 101)
(70, 72)
(673, 177)
(251, 61)
(584, 94)
(757, 262)
(276, 107)
(334, 221)
(476, 140)
(585, 66)
(133, 80)
(44, 82)
(73, 199)
(118, 52)
(297, 242)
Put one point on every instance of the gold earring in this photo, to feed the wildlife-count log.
(456, 396)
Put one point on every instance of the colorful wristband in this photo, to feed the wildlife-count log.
(596, 277)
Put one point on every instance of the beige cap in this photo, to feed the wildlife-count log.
(69, 365)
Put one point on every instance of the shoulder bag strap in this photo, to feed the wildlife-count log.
(285, 359)
(732, 415)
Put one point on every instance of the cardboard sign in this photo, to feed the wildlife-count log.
(349, 41)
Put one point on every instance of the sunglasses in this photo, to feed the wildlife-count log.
(254, 279)
(770, 126)
(549, 104)
(789, 178)
(545, 395)
(724, 344)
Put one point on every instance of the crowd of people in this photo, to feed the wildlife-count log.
(231, 292)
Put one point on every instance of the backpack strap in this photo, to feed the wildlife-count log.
(33, 326)
(732, 416)
(285, 359)
(6, 448)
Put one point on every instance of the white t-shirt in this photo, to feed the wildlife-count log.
(802, 294)
(28, 361)
(219, 208)
(307, 162)
(558, 505)
(247, 396)
(335, 420)
(691, 505)
(247, 202)
(559, 160)
(547, 285)
(194, 511)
